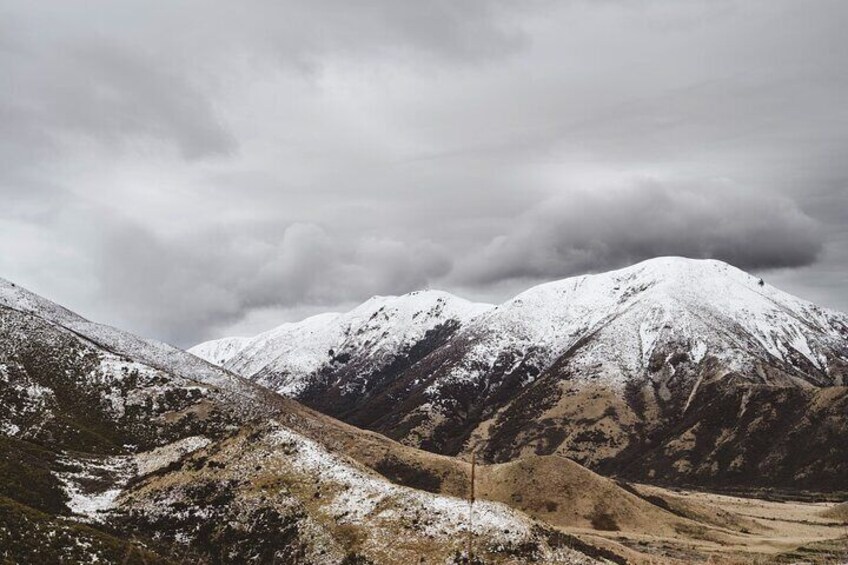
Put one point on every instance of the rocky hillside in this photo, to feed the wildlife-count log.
(117, 449)
(675, 370)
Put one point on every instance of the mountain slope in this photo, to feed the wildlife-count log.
(689, 370)
(295, 357)
(220, 351)
(122, 450)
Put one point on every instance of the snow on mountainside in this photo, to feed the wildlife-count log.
(219, 351)
(712, 307)
(294, 348)
(323, 508)
(594, 367)
(380, 328)
(75, 384)
(152, 353)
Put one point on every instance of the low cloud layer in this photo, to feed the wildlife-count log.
(198, 286)
(191, 170)
(590, 231)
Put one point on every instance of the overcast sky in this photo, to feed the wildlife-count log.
(188, 170)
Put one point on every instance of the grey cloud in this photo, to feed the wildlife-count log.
(103, 93)
(121, 94)
(304, 33)
(187, 288)
(183, 168)
(597, 230)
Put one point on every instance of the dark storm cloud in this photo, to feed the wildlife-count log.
(191, 169)
(599, 230)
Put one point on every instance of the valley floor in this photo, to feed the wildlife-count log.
(777, 532)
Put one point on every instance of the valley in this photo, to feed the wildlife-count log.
(774, 532)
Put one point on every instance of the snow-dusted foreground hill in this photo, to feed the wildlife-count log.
(687, 369)
(116, 449)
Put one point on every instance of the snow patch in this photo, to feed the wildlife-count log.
(91, 503)
(362, 495)
(698, 352)
(88, 502)
(9, 429)
(161, 457)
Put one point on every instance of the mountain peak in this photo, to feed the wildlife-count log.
(651, 294)
(671, 269)
(633, 311)
(379, 328)
(579, 366)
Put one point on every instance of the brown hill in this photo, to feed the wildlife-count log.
(117, 449)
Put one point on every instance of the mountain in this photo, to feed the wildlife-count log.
(220, 351)
(118, 449)
(672, 370)
(361, 343)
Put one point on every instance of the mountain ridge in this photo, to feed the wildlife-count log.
(592, 367)
(118, 449)
(385, 325)
(768, 293)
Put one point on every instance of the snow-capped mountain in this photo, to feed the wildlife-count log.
(288, 358)
(634, 313)
(597, 367)
(614, 328)
(219, 351)
(178, 456)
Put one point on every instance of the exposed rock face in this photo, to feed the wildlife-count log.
(675, 370)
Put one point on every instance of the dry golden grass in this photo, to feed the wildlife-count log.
(838, 512)
(647, 525)
(771, 532)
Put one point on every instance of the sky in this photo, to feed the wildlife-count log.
(188, 170)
